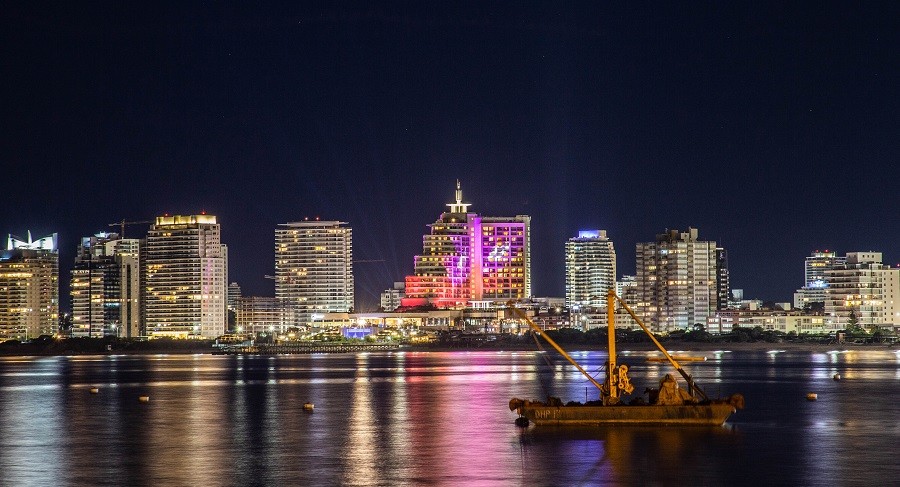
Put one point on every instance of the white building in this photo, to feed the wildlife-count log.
(186, 278)
(29, 288)
(677, 280)
(590, 269)
(313, 269)
(724, 321)
(815, 283)
(390, 298)
(865, 286)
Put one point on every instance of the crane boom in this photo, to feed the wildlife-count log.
(121, 224)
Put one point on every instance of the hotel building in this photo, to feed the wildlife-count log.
(677, 280)
(467, 258)
(313, 269)
(106, 287)
(863, 285)
(29, 288)
(185, 276)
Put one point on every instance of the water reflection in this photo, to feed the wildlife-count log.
(428, 418)
(358, 453)
(623, 455)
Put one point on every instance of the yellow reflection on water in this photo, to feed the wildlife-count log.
(357, 454)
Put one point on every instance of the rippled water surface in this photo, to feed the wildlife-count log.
(433, 418)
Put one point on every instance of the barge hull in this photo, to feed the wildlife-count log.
(693, 414)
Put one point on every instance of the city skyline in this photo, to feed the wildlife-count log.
(65, 268)
(768, 127)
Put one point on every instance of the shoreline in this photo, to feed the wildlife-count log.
(676, 347)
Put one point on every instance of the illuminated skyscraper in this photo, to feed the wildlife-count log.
(677, 280)
(106, 287)
(467, 257)
(313, 269)
(815, 283)
(29, 288)
(862, 285)
(590, 269)
(723, 279)
(185, 278)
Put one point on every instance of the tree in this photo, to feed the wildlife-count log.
(853, 326)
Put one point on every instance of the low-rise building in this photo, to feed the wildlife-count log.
(258, 314)
(725, 321)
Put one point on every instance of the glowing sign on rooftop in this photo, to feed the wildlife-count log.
(45, 243)
(185, 220)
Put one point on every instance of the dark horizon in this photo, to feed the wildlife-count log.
(768, 127)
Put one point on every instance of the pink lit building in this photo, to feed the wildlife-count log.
(468, 257)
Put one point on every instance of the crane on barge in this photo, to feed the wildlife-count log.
(670, 406)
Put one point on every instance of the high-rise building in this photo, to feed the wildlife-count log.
(106, 287)
(815, 283)
(467, 257)
(677, 280)
(185, 276)
(626, 288)
(29, 288)
(723, 280)
(590, 269)
(313, 269)
(865, 287)
(234, 293)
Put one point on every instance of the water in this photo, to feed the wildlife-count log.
(433, 418)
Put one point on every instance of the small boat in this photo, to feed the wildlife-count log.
(667, 405)
(679, 358)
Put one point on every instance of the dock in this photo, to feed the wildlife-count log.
(305, 348)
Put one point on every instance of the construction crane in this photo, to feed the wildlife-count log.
(122, 224)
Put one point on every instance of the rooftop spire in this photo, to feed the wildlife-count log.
(459, 206)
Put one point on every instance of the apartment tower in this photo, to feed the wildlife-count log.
(815, 281)
(313, 269)
(185, 278)
(677, 280)
(862, 285)
(105, 287)
(29, 288)
(590, 269)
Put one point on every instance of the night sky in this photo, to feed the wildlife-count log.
(771, 128)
